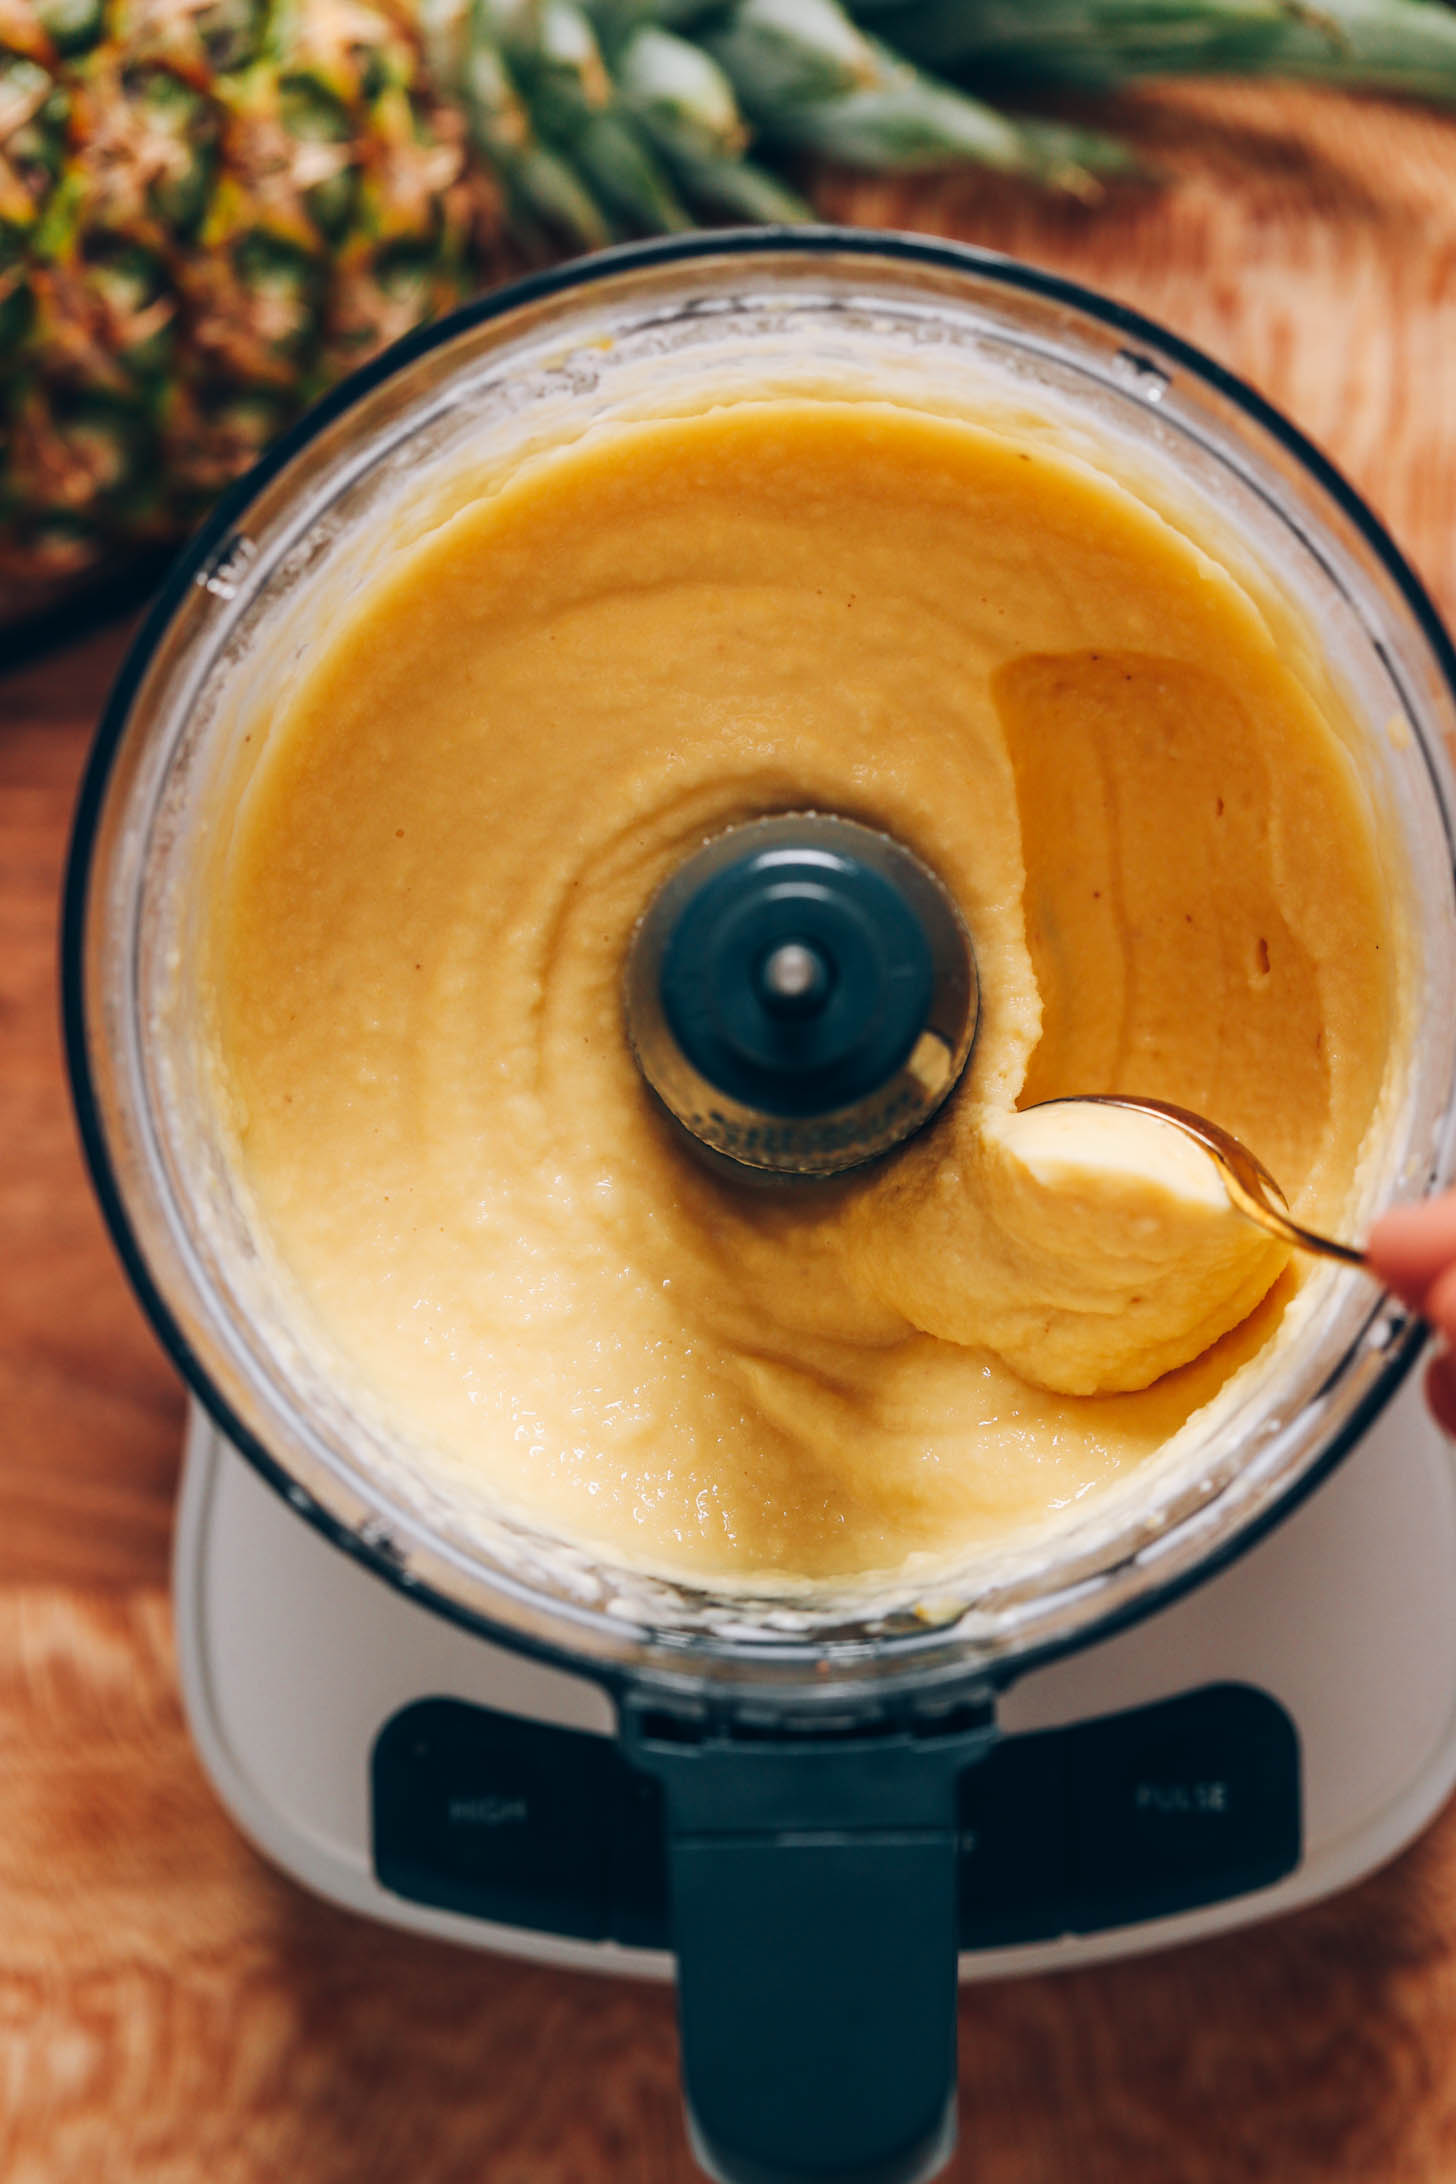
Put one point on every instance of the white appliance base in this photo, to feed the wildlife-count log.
(293, 1656)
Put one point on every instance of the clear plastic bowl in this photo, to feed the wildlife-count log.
(646, 331)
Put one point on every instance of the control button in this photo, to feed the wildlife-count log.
(1011, 1809)
(1181, 1804)
(504, 1819)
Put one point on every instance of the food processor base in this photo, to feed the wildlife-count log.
(1259, 1743)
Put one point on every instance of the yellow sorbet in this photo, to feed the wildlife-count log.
(1077, 718)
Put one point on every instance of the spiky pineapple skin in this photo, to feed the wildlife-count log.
(209, 209)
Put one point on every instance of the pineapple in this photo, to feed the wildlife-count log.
(210, 209)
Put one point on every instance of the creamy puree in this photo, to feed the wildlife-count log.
(1098, 1250)
(1078, 719)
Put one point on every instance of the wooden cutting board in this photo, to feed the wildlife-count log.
(173, 2013)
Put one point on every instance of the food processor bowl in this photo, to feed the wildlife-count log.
(808, 1739)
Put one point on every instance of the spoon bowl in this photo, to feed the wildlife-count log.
(1252, 1190)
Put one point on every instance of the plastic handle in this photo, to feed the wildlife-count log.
(814, 1918)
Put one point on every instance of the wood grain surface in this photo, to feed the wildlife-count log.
(170, 2010)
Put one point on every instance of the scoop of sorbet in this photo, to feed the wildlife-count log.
(1106, 1254)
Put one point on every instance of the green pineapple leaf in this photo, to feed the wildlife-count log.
(808, 78)
(1392, 45)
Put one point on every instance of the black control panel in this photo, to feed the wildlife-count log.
(1132, 1816)
(520, 1822)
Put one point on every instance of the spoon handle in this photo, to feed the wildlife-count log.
(1280, 1223)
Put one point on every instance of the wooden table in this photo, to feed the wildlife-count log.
(170, 2010)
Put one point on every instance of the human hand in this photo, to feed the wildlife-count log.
(1413, 1251)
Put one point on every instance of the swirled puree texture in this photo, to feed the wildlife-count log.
(1078, 719)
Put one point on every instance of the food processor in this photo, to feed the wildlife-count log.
(1210, 1695)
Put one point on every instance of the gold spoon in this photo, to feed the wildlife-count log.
(1251, 1189)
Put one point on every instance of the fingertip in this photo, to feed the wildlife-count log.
(1411, 1247)
(1441, 1391)
(1439, 1306)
